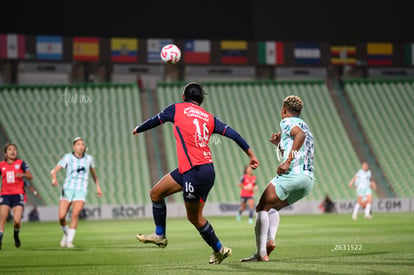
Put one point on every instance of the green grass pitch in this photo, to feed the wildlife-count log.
(306, 244)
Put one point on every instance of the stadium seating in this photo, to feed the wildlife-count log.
(42, 121)
(253, 109)
(383, 108)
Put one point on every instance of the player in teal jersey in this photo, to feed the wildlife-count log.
(363, 185)
(75, 188)
(294, 178)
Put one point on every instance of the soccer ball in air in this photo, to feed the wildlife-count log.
(170, 54)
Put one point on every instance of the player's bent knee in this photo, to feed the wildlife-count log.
(155, 196)
(192, 219)
(196, 221)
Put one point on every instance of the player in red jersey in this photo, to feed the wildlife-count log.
(195, 174)
(12, 171)
(247, 186)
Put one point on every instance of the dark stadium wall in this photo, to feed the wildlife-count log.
(333, 21)
(295, 20)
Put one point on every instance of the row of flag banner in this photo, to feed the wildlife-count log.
(125, 50)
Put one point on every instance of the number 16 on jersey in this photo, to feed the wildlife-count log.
(204, 136)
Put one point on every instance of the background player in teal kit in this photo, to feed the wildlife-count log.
(193, 127)
(363, 185)
(75, 188)
(294, 178)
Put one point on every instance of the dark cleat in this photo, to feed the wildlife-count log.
(16, 240)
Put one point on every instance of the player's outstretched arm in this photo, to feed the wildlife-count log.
(352, 181)
(254, 162)
(53, 174)
(148, 124)
(165, 115)
(374, 185)
(95, 179)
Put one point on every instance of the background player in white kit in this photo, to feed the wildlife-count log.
(363, 185)
(294, 178)
(75, 188)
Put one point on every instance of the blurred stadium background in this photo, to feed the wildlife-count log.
(99, 78)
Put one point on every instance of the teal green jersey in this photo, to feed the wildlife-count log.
(302, 162)
(77, 171)
(363, 181)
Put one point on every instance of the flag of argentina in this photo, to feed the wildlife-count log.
(49, 47)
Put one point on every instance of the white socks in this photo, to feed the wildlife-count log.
(367, 210)
(274, 219)
(261, 230)
(70, 235)
(65, 229)
(356, 208)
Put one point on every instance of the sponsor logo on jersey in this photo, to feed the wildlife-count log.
(194, 112)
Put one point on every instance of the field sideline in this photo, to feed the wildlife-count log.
(317, 244)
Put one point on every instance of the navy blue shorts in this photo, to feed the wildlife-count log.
(12, 200)
(196, 182)
(245, 199)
